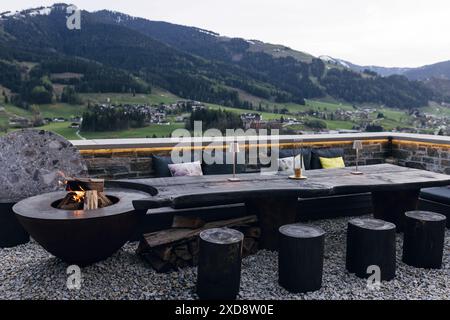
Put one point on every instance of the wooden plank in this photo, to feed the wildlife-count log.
(159, 238)
(187, 222)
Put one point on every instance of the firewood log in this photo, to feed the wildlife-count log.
(248, 245)
(103, 200)
(182, 252)
(193, 247)
(187, 222)
(253, 232)
(91, 200)
(84, 184)
(164, 253)
(157, 263)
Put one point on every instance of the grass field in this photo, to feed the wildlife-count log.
(326, 106)
(69, 133)
(437, 110)
(146, 132)
(156, 97)
(63, 129)
(265, 115)
(392, 118)
(61, 110)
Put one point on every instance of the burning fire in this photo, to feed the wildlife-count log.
(78, 196)
(83, 194)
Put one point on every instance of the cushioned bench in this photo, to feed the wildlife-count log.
(311, 158)
(436, 200)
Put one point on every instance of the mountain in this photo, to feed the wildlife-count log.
(382, 71)
(114, 52)
(440, 70)
(441, 87)
(204, 43)
(435, 76)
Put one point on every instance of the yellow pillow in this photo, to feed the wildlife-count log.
(331, 163)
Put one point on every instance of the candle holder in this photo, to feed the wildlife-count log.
(298, 161)
(357, 145)
(234, 149)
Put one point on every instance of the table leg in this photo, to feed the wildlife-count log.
(391, 205)
(272, 212)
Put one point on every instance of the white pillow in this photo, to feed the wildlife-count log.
(287, 164)
(190, 169)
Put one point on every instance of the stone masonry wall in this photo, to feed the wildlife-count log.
(138, 164)
(429, 157)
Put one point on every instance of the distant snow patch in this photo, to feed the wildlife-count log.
(327, 59)
(41, 12)
(345, 64)
(208, 32)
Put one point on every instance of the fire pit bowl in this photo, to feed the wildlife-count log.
(81, 237)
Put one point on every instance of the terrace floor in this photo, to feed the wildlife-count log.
(29, 272)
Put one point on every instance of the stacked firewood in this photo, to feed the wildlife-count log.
(174, 248)
(84, 194)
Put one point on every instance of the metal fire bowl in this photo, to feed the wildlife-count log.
(81, 237)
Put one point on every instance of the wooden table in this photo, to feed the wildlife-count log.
(274, 198)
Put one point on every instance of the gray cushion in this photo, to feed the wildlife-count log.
(440, 194)
(224, 168)
(161, 166)
(215, 169)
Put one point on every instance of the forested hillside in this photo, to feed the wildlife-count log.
(117, 53)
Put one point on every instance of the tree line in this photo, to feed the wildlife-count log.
(98, 119)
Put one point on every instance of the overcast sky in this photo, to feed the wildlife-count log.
(402, 33)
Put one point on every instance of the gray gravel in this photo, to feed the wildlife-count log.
(29, 272)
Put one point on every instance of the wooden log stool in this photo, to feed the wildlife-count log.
(219, 264)
(300, 257)
(424, 236)
(371, 242)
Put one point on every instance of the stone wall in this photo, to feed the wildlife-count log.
(119, 165)
(431, 157)
(137, 163)
(372, 153)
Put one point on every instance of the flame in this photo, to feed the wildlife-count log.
(78, 196)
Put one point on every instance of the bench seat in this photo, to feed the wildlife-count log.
(440, 195)
(436, 200)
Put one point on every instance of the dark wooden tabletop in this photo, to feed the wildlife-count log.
(189, 192)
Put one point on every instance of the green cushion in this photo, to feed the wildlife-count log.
(332, 163)
(316, 154)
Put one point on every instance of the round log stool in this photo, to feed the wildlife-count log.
(423, 243)
(300, 257)
(371, 242)
(219, 264)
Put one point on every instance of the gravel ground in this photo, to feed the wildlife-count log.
(29, 272)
